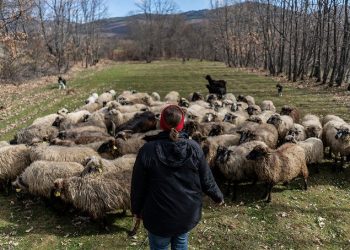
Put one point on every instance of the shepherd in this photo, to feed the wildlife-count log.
(169, 176)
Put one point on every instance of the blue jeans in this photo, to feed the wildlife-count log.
(179, 242)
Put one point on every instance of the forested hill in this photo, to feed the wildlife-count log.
(118, 26)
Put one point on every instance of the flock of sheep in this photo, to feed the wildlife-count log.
(85, 158)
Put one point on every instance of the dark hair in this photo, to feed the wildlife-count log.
(172, 117)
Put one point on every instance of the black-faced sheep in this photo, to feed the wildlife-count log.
(280, 165)
(266, 133)
(39, 177)
(292, 112)
(312, 125)
(268, 105)
(282, 123)
(236, 118)
(120, 147)
(210, 144)
(195, 96)
(253, 110)
(297, 132)
(233, 164)
(247, 99)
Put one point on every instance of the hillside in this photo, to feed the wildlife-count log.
(118, 26)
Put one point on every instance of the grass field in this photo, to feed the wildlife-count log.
(317, 218)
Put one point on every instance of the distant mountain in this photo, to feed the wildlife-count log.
(118, 26)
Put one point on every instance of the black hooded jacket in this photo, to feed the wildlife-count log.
(167, 184)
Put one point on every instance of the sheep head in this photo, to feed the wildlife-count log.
(191, 127)
(252, 110)
(313, 131)
(222, 154)
(184, 103)
(290, 138)
(198, 137)
(216, 130)
(211, 98)
(246, 136)
(196, 96)
(230, 117)
(259, 152)
(242, 98)
(255, 119)
(342, 134)
(209, 117)
(58, 121)
(93, 166)
(62, 111)
(19, 185)
(59, 187)
(286, 110)
(108, 147)
(234, 106)
(275, 120)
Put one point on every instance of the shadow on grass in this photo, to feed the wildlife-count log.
(327, 176)
(59, 220)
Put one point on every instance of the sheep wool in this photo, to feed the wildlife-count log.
(39, 177)
(13, 160)
(60, 153)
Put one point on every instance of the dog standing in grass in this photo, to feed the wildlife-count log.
(279, 88)
(62, 84)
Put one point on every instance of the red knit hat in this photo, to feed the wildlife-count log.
(166, 127)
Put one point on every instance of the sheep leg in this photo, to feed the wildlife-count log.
(305, 183)
(234, 194)
(228, 189)
(122, 214)
(335, 164)
(341, 163)
(268, 192)
(329, 153)
(135, 227)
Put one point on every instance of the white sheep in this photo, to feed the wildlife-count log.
(172, 97)
(155, 96)
(39, 177)
(13, 160)
(312, 125)
(268, 105)
(59, 153)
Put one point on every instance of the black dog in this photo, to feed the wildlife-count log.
(279, 89)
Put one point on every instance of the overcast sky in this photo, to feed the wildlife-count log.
(124, 7)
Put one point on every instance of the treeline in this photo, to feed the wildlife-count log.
(40, 37)
(296, 38)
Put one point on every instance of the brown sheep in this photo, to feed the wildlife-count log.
(280, 165)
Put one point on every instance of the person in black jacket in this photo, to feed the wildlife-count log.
(169, 176)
